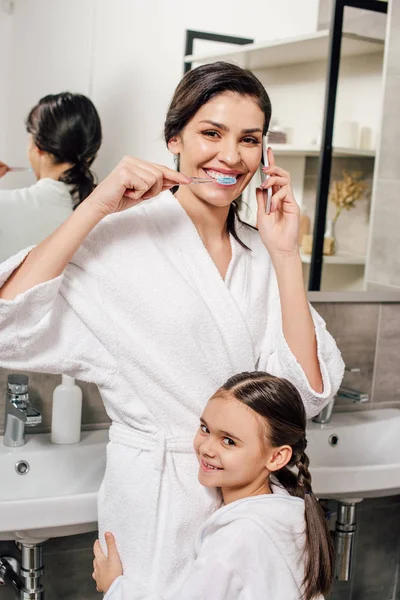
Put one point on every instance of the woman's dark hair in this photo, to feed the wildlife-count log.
(197, 88)
(278, 401)
(68, 127)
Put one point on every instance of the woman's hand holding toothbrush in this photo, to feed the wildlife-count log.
(132, 181)
(279, 230)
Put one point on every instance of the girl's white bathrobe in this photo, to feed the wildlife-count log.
(252, 549)
(142, 311)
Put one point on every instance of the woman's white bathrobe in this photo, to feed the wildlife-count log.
(252, 549)
(142, 311)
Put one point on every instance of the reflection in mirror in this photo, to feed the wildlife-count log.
(360, 235)
(295, 137)
(63, 138)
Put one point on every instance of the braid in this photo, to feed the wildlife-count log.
(319, 558)
(304, 475)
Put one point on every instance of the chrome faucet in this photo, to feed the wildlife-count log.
(345, 393)
(19, 411)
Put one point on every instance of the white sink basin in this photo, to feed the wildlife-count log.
(364, 463)
(58, 495)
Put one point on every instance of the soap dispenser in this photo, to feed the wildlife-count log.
(67, 412)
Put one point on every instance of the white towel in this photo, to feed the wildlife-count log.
(142, 311)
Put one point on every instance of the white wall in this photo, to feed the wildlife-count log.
(5, 47)
(127, 55)
(50, 52)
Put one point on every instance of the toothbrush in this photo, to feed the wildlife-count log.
(222, 179)
(20, 169)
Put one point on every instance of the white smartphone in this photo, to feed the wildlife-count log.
(264, 177)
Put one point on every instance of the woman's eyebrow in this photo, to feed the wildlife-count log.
(225, 128)
(254, 130)
(225, 433)
(219, 125)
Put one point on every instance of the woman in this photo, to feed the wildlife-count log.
(173, 295)
(64, 138)
(270, 539)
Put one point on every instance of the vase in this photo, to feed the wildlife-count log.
(330, 243)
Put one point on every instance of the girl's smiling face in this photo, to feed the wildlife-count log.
(233, 450)
(223, 137)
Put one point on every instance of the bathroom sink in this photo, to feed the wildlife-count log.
(356, 455)
(57, 494)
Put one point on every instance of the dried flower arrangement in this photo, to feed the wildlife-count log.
(345, 192)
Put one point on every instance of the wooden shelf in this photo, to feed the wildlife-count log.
(290, 150)
(309, 48)
(341, 258)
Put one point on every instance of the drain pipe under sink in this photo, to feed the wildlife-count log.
(24, 577)
(345, 533)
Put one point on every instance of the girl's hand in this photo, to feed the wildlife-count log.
(132, 181)
(4, 169)
(106, 568)
(279, 230)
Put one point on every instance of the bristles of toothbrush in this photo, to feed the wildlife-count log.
(222, 180)
(226, 179)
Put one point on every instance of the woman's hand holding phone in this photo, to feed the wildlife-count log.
(279, 230)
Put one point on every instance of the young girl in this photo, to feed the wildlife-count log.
(175, 294)
(64, 137)
(270, 539)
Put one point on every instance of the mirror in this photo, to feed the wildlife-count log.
(349, 181)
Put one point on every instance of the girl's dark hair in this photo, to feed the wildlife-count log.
(280, 404)
(197, 88)
(68, 127)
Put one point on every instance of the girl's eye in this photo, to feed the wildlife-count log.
(204, 429)
(228, 442)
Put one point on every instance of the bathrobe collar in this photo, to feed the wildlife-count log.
(172, 221)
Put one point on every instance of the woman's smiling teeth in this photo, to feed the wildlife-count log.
(218, 175)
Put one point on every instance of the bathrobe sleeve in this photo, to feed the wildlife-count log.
(277, 358)
(59, 326)
(215, 574)
(215, 581)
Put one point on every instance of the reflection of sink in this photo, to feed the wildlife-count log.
(365, 462)
(58, 495)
